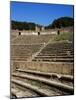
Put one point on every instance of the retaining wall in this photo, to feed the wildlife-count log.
(61, 68)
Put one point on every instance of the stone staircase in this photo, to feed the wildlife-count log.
(37, 83)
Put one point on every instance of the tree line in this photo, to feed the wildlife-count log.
(61, 22)
(57, 23)
(22, 25)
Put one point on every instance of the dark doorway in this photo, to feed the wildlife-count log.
(38, 33)
(19, 33)
(58, 32)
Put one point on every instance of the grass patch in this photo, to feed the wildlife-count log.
(64, 36)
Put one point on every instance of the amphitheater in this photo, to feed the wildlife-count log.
(41, 66)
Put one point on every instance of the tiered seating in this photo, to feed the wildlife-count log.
(24, 46)
(23, 52)
(27, 83)
(30, 81)
(13, 37)
(31, 39)
(56, 52)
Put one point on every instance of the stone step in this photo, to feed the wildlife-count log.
(20, 92)
(55, 54)
(59, 76)
(17, 93)
(40, 91)
(54, 59)
(58, 85)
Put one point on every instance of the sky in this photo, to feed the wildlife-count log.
(43, 14)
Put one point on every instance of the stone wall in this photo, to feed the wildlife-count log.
(42, 32)
(61, 68)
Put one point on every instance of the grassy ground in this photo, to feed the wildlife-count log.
(64, 36)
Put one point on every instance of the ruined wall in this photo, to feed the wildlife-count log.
(42, 31)
(61, 68)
